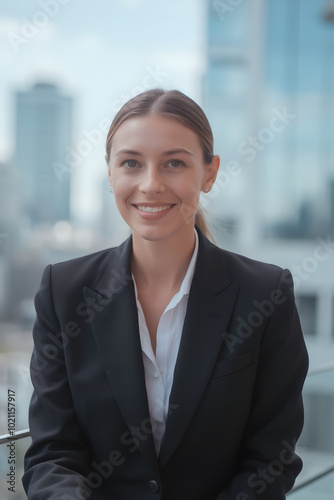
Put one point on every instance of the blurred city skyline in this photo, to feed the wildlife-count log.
(101, 67)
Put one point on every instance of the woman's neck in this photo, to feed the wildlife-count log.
(162, 264)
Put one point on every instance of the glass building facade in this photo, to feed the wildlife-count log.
(269, 93)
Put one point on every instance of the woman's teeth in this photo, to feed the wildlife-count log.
(153, 209)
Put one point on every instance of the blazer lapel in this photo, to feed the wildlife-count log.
(116, 332)
(210, 305)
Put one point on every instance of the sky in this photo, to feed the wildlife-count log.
(100, 53)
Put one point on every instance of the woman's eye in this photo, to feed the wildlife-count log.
(130, 163)
(175, 163)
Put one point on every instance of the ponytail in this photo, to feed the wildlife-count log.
(202, 224)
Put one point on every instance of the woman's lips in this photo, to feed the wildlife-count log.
(153, 212)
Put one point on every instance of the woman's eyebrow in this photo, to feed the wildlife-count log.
(176, 151)
(128, 152)
(137, 153)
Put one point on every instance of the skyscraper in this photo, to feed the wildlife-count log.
(231, 95)
(43, 132)
(269, 94)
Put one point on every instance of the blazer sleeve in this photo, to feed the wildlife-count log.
(57, 460)
(269, 464)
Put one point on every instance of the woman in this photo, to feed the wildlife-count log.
(166, 367)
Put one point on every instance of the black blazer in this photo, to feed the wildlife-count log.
(235, 406)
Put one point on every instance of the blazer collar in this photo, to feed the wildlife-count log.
(116, 273)
(115, 327)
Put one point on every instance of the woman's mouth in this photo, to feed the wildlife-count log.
(153, 209)
(155, 212)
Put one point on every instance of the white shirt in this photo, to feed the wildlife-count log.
(159, 368)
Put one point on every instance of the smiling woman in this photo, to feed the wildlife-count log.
(184, 377)
(158, 175)
(176, 120)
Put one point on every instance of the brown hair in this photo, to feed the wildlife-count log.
(173, 104)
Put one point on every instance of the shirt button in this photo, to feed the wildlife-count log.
(153, 486)
(156, 375)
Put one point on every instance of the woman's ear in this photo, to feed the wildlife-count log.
(109, 173)
(109, 177)
(213, 169)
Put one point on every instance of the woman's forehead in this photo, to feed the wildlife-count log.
(154, 132)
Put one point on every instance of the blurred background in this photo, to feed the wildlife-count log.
(262, 70)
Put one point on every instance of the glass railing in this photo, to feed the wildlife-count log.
(8, 438)
(315, 446)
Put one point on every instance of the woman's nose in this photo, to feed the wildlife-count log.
(151, 179)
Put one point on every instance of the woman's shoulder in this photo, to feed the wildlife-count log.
(243, 263)
(251, 272)
(237, 265)
(87, 270)
(93, 258)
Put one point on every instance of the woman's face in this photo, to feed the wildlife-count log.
(157, 172)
